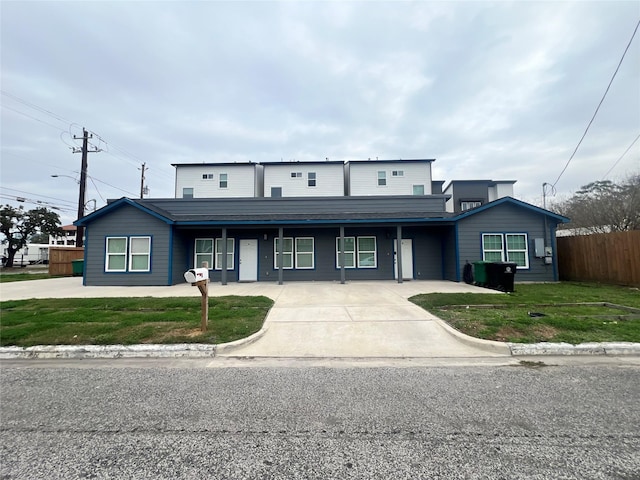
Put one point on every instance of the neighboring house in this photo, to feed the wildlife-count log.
(303, 179)
(215, 180)
(467, 194)
(66, 239)
(317, 237)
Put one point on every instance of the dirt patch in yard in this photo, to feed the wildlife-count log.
(544, 332)
(506, 334)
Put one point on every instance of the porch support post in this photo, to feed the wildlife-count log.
(223, 274)
(341, 259)
(279, 253)
(399, 252)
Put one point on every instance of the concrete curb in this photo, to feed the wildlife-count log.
(489, 345)
(225, 348)
(592, 348)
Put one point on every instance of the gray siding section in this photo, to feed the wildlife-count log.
(427, 252)
(505, 218)
(127, 221)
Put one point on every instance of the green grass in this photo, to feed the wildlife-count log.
(103, 321)
(21, 277)
(508, 317)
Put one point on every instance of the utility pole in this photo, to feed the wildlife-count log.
(142, 189)
(83, 181)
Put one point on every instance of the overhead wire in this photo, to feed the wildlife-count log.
(599, 104)
(621, 157)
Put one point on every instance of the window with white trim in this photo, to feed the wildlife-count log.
(139, 254)
(207, 176)
(287, 252)
(203, 252)
(116, 257)
(230, 253)
(304, 253)
(382, 178)
(296, 174)
(367, 252)
(224, 180)
(509, 247)
(397, 173)
(418, 189)
(349, 252)
(128, 254)
(311, 179)
(468, 205)
(187, 192)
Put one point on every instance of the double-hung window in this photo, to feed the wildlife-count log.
(187, 192)
(287, 253)
(359, 252)
(128, 254)
(298, 253)
(224, 180)
(311, 179)
(418, 189)
(230, 253)
(349, 252)
(367, 252)
(382, 178)
(304, 253)
(116, 260)
(510, 247)
(203, 252)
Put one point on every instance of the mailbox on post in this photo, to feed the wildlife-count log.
(199, 277)
(196, 275)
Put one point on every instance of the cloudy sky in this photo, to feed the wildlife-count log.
(491, 90)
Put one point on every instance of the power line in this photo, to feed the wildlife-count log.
(599, 104)
(36, 107)
(621, 157)
(34, 118)
(37, 195)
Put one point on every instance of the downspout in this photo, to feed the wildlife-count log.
(170, 267)
(554, 243)
(84, 257)
(457, 253)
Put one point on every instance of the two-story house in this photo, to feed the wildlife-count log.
(330, 220)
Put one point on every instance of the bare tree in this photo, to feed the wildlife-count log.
(603, 206)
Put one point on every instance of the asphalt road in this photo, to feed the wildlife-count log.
(194, 419)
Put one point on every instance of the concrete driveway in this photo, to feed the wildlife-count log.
(315, 319)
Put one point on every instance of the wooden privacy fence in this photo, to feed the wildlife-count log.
(603, 257)
(60, 259)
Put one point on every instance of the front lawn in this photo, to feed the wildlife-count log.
(552, 312)
(126, 321)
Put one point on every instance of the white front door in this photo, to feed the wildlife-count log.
(248, 261)
(407, 259)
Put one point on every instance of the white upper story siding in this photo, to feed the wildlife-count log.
(215, 180)
(304, 179)
(500, 190)
(389, 177)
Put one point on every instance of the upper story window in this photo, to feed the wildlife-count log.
(468, 205)
(418, 189)
(296, 174)
(224, 180)
(276, 192)
(207, 176)
(311, 179)
(187, 192)
(397, 173)
(382, 178)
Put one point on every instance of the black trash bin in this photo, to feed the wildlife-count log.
(500, 275)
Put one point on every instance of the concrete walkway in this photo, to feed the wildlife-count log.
(315, 319)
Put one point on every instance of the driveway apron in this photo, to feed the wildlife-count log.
(359, 319)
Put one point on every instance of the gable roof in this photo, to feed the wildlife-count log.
(121, 202)
(512, 201)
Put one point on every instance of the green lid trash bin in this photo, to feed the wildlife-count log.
(77, 267)
(480, 272)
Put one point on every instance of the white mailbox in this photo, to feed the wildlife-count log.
(196, 275)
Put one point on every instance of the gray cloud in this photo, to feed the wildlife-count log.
(491, 90)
